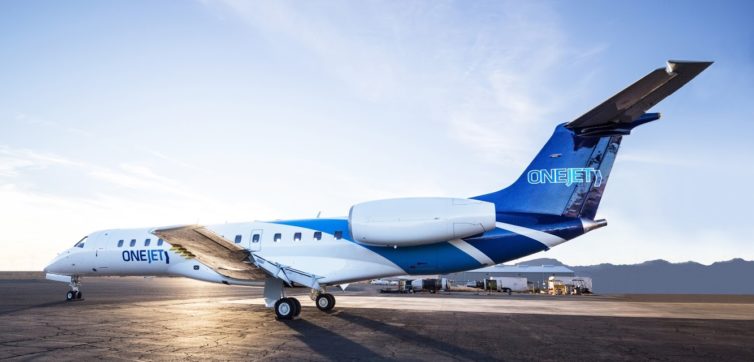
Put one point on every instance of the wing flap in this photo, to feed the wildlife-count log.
(631, 103)
(212, 250)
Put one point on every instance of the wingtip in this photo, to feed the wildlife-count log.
(673, 66)
(695, 62)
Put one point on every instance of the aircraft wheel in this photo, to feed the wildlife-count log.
(70, 295)
(325, 302)
(78, 294)
(297, 305)
(285, 308)
(332, 299)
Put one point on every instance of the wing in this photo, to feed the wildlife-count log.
(630, 104)
(212, 250)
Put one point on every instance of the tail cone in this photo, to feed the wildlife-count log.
(590, 225)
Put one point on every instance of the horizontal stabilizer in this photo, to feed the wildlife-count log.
(621, 110)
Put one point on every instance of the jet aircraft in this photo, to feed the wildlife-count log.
(553, 201)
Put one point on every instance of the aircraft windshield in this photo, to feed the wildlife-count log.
(81, 242)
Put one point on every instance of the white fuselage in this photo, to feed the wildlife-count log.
(127, 252)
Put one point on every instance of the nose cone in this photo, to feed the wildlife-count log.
(57, 265)
(52, 267)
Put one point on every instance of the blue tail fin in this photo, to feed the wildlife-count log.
(569, 175)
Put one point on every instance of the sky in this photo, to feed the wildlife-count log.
(124, 114)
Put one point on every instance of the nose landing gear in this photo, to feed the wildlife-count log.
(74, 293)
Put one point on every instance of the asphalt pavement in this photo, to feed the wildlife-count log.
(172, 318)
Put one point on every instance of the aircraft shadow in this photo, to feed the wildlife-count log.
(406, 334)
(27, 307)
(329, 344)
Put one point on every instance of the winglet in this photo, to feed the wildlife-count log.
(626, 110)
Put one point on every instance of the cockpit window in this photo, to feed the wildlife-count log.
(81, 242)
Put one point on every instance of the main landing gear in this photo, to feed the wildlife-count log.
(325, 302)
(287, 308)
(290, 308)
(74, 293)
(274, 297)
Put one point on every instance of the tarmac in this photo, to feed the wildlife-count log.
(171, 318)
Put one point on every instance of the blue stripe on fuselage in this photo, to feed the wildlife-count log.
(503, 245)
(564, 227)
(423, 259)
(499, 245)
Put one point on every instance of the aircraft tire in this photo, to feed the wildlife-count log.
(297, 307)
(325, 302)
(332, 300)
(284, 308)
(78, 294)
(70, 295)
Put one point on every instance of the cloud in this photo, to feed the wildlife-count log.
(14, 161)
(140, 177)
(515, 89)
(666, 160)
(332, 36)
(491, 83)
(39, 213)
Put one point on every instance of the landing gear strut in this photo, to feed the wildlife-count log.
(274, 296)
(74, 293)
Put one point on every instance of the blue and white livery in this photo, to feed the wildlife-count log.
(553, 201)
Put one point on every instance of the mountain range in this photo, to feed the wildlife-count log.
(735, 276)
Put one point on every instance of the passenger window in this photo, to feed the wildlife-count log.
(297, 237)
(159, 242)
(317, 235)
(338, 235)
(120, 243)
(133, 242)
(277, 237)
(147, 242)
(255, 238)
(238, 239)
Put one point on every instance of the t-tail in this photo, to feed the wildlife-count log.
(568, 176)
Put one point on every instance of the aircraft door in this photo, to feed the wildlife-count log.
(255, 240)
(101, 254)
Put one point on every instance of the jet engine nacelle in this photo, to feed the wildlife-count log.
(419, 221)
